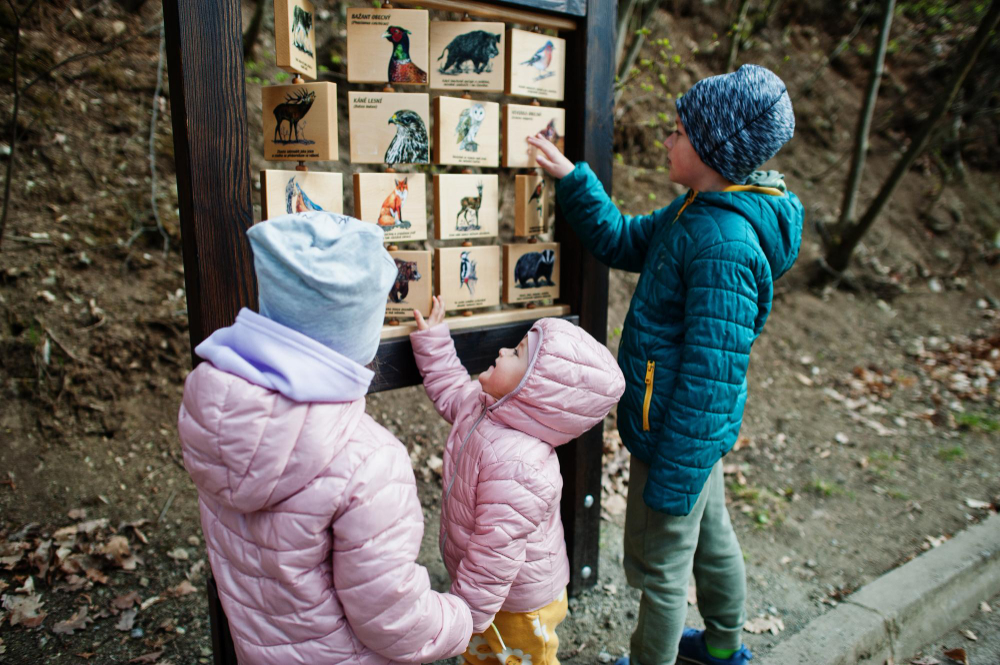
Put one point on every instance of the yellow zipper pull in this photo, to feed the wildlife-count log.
(649, 372)
(650, 366)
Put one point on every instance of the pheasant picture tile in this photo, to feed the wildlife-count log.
(387, 46)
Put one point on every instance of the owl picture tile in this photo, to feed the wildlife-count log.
(530, 272)
(294, 38)
(467, 55)
(468, 277)
(466, 206)
(387, 46)
(397, 202)
(536, 65)
(413, 287)
(287, 192)
(389, 128)
(466, 132)
(521, 121)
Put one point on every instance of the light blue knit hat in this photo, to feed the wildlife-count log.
(738, 121)
(326, 276)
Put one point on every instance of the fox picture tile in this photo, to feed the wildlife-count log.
(413, 287)
(389, 127)
(530, 272)
(300, 122)
(536, 65)
(531, 211)
(295, 41)
(287, 192)
(397, 202)
(466, 132)
(468, 277)
(387, 46)
(469, 56)
(521, 121)
(466, 206)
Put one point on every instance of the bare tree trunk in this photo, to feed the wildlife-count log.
(734, 48)
(865, 120)
(624, 20)
(253, 31)
(840, 254)
(635, 48)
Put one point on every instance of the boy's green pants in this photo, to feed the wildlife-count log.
(660, 552)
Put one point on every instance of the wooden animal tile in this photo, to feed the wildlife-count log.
(530, 272)
(521, 121)
(294, 40)
(531, 211)
(536, 65)
(466, 132)
(413, 287)
(466, 206)
(469, 56)
(387, 46)
(468, 277)
(300, 122)
(395, 201)
(389, 127)
(285, 192)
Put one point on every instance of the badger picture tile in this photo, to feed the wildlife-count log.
(531, 210)
(467, 55)
(413, 287)
(530, 272)
(466, 132)
(286, 192)
(468, 277)
(389, 127)
(387, 46)
(294, 39)
(466, 206)
(397, 202)
(536, 65)
(521, 121)
(300, 122)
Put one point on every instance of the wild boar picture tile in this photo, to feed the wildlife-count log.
(287, 192)
(413, 287)
(397, 202)
(466, 206)
(387, 46)
(294, 38)
(466, 132)
(530, 272)
(468, 277)
(300, 122)
(467, 55)
(536, 65)
(521, 121)
(531, 211)
(389, 128)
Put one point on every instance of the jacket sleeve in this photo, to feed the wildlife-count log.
(445, 379)
(720, 309)
(512, 499)
(386, 595)
(620, 241)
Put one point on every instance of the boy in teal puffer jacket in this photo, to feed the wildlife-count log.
(707, 265)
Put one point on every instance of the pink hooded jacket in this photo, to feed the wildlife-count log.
(309, 508)
(501, 533)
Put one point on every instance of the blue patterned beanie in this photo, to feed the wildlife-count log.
(737, 121)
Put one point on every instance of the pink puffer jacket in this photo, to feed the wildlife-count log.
(501, 533)
(313, 527)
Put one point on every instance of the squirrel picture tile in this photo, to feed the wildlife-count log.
(287, 192)
(300, 122)
(389, 127)
(530, 272)
(468, 277)
(521, 121)
(294, 39)
(387, 46)
(466, 206)
(467, 55)
(531, 211)
(397, 202)
(414, 285)
(466, 132)
(536, 65)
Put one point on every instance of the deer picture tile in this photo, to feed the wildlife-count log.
(413, 287)
(536, 65)
(387, 46)
(468, 277)
(395, 201)
(521, 121)
(294, 39)
(469, 56)
(300, 122)
(531, 210)
(530, 272)
(466, 206)
(389, 127)
(466, 132)
(286, 192)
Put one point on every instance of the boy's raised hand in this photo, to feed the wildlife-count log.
(436, 315)
(549, 158)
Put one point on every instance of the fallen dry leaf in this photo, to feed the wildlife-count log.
(77, 514)
(95, 575)
(126, 601)
(615, 504)
(126, 620)
(92, 525)
(969, 635)
(764, 624)
(182, 589)
(86, 655)
(28, 587)
(957, 655)
(24, 611)
(179, 554)
(117, 549)
(41, 558)
(78, 621)
(976, 504)
(985, 607)
(925, 660)
(150, 657)
(152, 600)
(196, 570)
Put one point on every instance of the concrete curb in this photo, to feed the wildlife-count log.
(905, 608)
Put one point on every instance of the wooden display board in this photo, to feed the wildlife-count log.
(468, 277)
(531, 210)
(387, 46)
(287, 192)
(294, 39)
(468, 55)
(389, 127)
(536, 65)
(395, 201)
(300, 122)
(521, 121)
(466, 206)
(531, 272)
(413, 287)
(466, 132)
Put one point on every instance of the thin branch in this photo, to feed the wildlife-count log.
(807, 86)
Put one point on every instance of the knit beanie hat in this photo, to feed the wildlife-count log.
(737, 121)
(326, 276)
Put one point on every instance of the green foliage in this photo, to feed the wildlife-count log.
(952, 454)
(825, 488)
(281, 77)
(977, 422)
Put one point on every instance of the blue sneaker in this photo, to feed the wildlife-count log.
(692, 649)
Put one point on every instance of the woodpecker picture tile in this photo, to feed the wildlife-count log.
(468, 277)
(397, 202)
(413, 287)
(466, 132)
(295, 40)
(300, 122)
(531, 211)
(286, 192)
(530, 272)
(467, 55)
(387, 46)
(389, 128)
(536, 65)
(521, 121)
(466, 206)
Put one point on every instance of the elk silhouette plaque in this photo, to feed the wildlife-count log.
(466, 206)
(531, 211)
(389, 128)
(413, 287)
(286, 192)
(469, 56)
(397, 202)
(536, 65)
(530, 272)
(466, 132)
(387, 46)
(300, 122)
(294, 39)
(468, 277)
(521, 121)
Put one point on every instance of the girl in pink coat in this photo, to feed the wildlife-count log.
(501, 533)
(309, 508)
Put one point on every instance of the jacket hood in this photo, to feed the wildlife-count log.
(571, 384)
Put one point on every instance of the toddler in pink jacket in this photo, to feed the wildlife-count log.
(309, 508)
(501, 533)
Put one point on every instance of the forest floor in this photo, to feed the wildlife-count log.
(870, 434)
